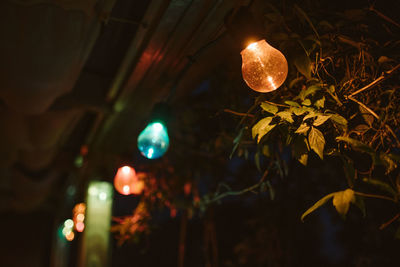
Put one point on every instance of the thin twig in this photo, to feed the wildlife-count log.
(238, 113)
(375, 82)
(384, 225)
(364, 106)
(377, 117)
(375, 196)
(384, 16)
(275, 104)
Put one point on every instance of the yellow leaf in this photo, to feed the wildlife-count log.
(342, 199)
(318, 204)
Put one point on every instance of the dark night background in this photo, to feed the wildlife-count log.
(129, 68)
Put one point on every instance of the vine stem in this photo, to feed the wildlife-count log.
(238, 113)
(234, 193)
(375, 196)
(375, 82)
(386, 224)
(241, 192)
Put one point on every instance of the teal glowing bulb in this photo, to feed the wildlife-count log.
(153, 141)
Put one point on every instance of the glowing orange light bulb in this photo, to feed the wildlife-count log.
(125, 180)
(264, 68)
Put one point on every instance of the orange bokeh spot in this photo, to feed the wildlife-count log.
(70, 236)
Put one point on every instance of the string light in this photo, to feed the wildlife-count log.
(126, 181)
(264, 68)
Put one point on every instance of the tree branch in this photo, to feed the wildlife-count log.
(238, 113)
(375, 82)
(384, 16)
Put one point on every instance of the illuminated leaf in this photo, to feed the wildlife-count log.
(310, 90)
(320, 103)
(269, 108)
(337, 119)
(303, 159)
(292, 103)
(299, 110)
(341, 201)
(318, 204)
(321, 119)
(303, 129)
(388, 162)
(310, 115)
(262, 128)
(286, 115)
(306, 102)
(317, 141)
(300, 149)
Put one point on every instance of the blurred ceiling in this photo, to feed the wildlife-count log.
(77, 73)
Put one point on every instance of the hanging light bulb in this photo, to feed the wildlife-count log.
(264, 68)
(125, 180)
(153, 141)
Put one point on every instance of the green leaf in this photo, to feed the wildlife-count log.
(381, 185)
(359, 202)
(262, 128)
(303, 64)
(269, 108)
(349, 171)
(388, 162)
(362, 128)
(341, 201)
(310, 115)
(286, 115)
(357, 145)
(303, 159)
(266, 151)
(306, 102)
(368, 117)
(298, 111)
(236, 141)
(311, 90)
(292, 103)
(295, 81)
(300, 149)
(320, 103)
(318, 204)
(317, 141)
(321, 119)
(339, 121)
(303, 129)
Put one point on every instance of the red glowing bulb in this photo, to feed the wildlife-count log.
(125, 180)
